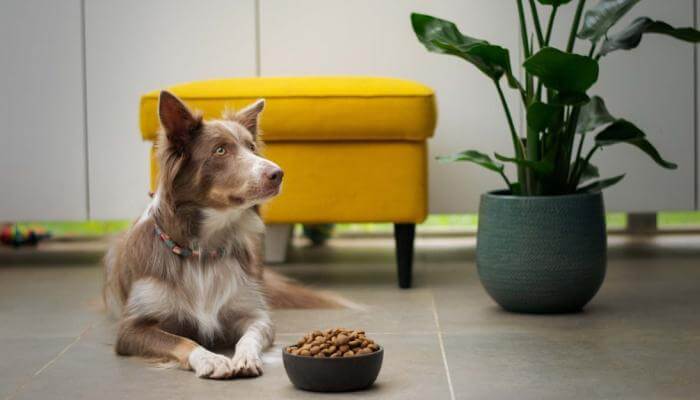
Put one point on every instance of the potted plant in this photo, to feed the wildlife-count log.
(541, 244)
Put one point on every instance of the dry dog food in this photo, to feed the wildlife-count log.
(332, 343)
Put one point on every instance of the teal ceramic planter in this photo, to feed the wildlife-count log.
(541, 254)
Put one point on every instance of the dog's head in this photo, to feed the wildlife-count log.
(216, 163)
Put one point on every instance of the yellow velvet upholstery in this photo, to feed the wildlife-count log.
(346, 182)
(353, 149)
(322, 108)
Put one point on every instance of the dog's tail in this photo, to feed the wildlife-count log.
(283, 292)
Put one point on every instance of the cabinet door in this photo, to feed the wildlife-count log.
(133, 47)
(366, 37)
(42, 135)
(697, 115)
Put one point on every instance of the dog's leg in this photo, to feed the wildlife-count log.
(257, 335)
(147, 340)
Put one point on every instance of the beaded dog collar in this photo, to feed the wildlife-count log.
(184, 251)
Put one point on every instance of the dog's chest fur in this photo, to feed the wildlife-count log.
(208, 297)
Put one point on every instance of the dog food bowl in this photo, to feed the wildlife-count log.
(340, 374)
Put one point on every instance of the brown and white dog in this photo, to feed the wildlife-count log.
(188, 274)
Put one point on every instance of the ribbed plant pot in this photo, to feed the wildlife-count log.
(541, 254)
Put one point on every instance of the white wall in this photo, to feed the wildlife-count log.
(652, 86)
(42, 136)
(132, 47)
(321, 37)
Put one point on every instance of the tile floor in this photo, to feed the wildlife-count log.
(444, 339)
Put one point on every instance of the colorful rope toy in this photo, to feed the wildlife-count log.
(16, 236)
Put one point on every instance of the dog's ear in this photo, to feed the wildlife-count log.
(250, 116)
(179, 122)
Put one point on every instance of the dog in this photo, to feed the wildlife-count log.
(187, 276)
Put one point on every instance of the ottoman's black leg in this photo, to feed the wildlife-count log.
(404, 234)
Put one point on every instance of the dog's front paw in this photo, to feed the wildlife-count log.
(210, 365)
(247, 363)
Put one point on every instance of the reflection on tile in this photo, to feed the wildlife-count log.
(23, 357)
(382, 310)
(574, 365)
(44, 301)
(412, 370)
(639, 295)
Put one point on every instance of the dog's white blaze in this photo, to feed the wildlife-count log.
(257, 164)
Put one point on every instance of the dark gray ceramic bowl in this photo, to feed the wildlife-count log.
(340, 374)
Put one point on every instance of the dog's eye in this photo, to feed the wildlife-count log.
(251, 146)
(220, 151)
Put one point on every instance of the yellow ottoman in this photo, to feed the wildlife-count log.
(353, 148)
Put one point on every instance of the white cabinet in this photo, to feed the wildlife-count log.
(72, 73)
(42, 135)
(133, 47)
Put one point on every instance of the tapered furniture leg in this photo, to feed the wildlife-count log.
(404, 235)
(277, 241)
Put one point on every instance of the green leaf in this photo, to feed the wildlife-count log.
(441, 36)
(564, 72)
(598, 186)
(589, 171)
(541, 116)
(622, 131)
(600, 18)
(476, 157)
(645, 146)
(544, 167)
(593, 115)
(630, 37)
(569, 99)
(555, 3)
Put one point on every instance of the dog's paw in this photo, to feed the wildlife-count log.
(210, 365)
(247, 363)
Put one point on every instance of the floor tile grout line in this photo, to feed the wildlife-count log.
(442, 345)
(49, 363)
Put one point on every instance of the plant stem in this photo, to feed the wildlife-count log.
(533, 153)
(592, 50)
(577, 163)
(526, 52)
(550, 25)
(523, 29)
(519, 151)
(536, 22)
(574, 26)
(577, 178)
(566, 147)
(517, 143)
(505, 178)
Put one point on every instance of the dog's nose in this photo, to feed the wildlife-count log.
(274, 175)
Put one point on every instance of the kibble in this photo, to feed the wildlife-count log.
(333, 343)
